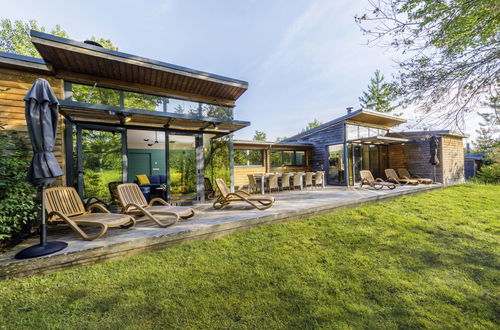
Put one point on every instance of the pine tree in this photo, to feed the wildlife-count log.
(379, 96)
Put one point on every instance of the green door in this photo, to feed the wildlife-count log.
(138, 163)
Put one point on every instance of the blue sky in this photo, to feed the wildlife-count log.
(303, 59)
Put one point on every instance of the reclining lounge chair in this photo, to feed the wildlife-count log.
(392, 176)
(403, 173)
(134, 203)
(378, 183)
(226, 197)
(64, 205)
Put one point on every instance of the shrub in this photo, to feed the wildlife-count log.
(18, 208)
(489, 174)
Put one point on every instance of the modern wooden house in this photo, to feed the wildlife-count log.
(143, 112)
(364, 140)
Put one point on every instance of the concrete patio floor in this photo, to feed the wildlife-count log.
(208, 223)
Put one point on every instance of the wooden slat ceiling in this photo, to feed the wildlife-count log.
(71, 56)
(100, 115)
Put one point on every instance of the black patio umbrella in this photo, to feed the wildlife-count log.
(433, 146)
(41, 111)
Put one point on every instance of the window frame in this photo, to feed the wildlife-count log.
(247, 154)
(294, 158)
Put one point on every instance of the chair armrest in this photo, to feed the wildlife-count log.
(405, 177)
(379, 180)
(417, 176)
(97, 206)
(159, 200)
(127, 207)
(242, 192)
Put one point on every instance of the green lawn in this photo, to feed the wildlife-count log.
(430, 260)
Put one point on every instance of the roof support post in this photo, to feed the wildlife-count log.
(200, 168)
(167, 166)
(79, 160)
(124, 156)
(231, 162)
(68, 152)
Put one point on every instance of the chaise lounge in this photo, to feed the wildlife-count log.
(378, 183)
(64, 205)
(226, 197)
(392, 176)
(134, 203)
(403, 172)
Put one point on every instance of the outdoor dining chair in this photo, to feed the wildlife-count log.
(273, 182)
(252, 183)
(285, 181)
(297, 180)
(320, 177)
(308, 179)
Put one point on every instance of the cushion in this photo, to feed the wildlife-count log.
(154, 179)
(142, 178)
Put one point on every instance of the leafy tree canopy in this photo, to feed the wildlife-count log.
(380, 94)
(259, 136)
(311, 125)
(449, 52)
(15, 37)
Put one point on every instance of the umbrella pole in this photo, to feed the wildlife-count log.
(44, 248)
(43, 228)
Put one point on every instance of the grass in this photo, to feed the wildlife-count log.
(426, 261)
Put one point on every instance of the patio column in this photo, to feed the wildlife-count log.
(167, 165)
(231, 161)
(200, 168)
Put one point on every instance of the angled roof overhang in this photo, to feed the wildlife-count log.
(16, 61)
(369, 117)
(105, 115)
(359, 117)
(379, 140)
(68, 57)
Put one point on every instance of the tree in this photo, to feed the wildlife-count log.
(487, 140)
(259, 136)
(448, 52)
(380, 94)
(280, 138)
(311, 125)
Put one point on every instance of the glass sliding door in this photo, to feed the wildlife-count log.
(374, 161)
(357, 162)
(100, 161)
(336, 167)
(182, 161)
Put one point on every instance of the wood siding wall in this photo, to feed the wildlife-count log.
(453, 160)
(397, 158)
(320, 140)
(15, 84)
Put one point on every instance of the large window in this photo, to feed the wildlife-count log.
(336, 164)
(288, 158)
(354, 132)
(120, 98)
(248, 157)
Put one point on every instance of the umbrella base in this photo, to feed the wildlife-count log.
(40, 250)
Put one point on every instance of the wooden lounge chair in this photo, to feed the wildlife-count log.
(403, 172)
(392, 176)
(378, 183)
(209, 189)
(65, 206)
(134, 203)
(226, 197)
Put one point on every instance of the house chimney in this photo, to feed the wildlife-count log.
(349, 110)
